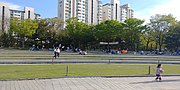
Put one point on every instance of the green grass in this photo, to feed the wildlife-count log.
(11, 72)
(47, 55)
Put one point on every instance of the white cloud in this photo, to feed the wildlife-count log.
(13, 6)
(16, 7)
(170, 7)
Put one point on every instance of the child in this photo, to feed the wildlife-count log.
(159, 70)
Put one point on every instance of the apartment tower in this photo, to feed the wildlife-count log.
(115, 9)
(94, 9)
(111, 11)
(6, 14)
(87, 11)
(4, 17)
(72, 8)
(126, 12)
(107, 12)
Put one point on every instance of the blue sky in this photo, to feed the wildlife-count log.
(143, 9)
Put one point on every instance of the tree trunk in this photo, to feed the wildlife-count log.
(160, 42)
(156, 43)
(108, 47)
(147, 44)
(151, 47)
(23, 41)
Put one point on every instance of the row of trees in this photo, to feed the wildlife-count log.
(162, 32)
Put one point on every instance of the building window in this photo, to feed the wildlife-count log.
(29, 14)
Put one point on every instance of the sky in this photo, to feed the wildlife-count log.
(143, 9)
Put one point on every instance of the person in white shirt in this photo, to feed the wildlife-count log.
(159, 70)
(58, 52)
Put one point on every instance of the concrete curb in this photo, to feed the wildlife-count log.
(130, 76)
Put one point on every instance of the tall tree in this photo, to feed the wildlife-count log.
(107, 31)
(133, 28)
(161, 24)
(54, 26)
(24, 29)
(172, 39)
(7, 40)
(47, 30)
(76, 30)
(14, 22)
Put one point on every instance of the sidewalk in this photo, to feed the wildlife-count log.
(96, 83)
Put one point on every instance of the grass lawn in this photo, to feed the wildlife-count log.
(8, 54)
(47, 55)
(11, 72)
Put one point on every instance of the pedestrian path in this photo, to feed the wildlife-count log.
(94, 83)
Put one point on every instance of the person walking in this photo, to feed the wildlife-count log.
(159, 71)
(58, 51)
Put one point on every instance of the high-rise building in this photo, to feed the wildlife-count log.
(27, 13)
(6, 13)
(107, 12)
(92, 11)
(115, 9)
(111, 11)
(4, 17)
(94, 14)
(99, 13)
(72, 8)
(88, 11)
(126, 12)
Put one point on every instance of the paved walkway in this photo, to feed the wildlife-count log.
(96, 83)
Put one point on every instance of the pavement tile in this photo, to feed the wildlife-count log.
(97, 83)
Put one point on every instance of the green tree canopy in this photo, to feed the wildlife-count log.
(23, 29)
(133, 28)
(76, 31)
(161, 24)
(173, 38)
(108, 31)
